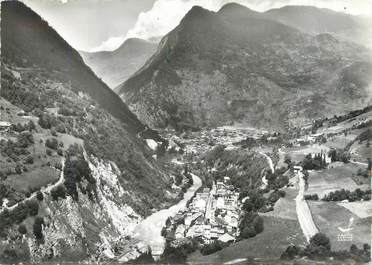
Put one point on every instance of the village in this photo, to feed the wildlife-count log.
(213, 214)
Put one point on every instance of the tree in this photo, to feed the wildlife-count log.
(39, 196)
(18, 169)
(22, 229)
(52, 143)
(25, 139)
(319, 247)
(33, 207)
(38, 227)
(58, 192)
(290, 253)
(46, 121)
(211, 248)
(248, 232)
(31, 125)
(287, 159)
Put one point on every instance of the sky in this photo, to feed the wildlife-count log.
(95, 25)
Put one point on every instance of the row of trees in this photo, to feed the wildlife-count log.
(319, 248)
(314, 163)
(340, 195)
(339, 155)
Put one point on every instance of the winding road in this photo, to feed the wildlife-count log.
(305, 218)
(46, 189)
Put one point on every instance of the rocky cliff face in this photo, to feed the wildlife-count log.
(79, 230)
(114, 67)
(237, 65)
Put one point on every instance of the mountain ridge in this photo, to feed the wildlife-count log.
(240, 50)
(116, 66)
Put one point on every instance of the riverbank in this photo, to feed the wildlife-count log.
(149, 230)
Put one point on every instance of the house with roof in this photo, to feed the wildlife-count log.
(180, 231)
(4, 125)
(226, 238)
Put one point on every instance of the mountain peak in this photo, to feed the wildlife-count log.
(196, 12)
(133, 42)
(235, 9)
(231, 6)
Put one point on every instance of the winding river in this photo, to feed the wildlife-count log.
(149, 230)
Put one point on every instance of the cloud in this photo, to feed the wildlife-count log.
(166, 14)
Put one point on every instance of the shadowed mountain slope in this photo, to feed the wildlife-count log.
(237, 65)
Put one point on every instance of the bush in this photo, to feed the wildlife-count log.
(60, 128)
(311, 197)
(290, 253)
(33, 207)
(38, 228)
(53, 132)
(39, 196)
(31, 125)
(25, 139)
(18, 214)
(49, 152)
(60, 151)
(177, 255)
(52, 143)
(18, 169)
(211, 248)
(46, 121)
(276, 195)
(22, 229)
(319, 247)
(29, 160)
(58, 192)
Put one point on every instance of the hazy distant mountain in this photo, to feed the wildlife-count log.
(237, 65)
(114, 67)
(314, 20)
(91, 195)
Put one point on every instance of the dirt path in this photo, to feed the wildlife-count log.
(281, 159)
(304, 215)
(271, 165)
(358, 163)
(46, 189)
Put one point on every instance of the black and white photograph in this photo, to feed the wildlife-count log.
(217, 132)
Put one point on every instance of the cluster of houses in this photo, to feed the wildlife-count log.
(213, 214)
